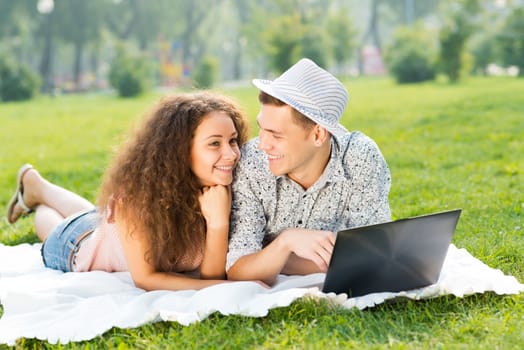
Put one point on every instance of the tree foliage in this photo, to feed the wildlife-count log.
(284, 37)
(458, 26)
(411, 57)
(511, 40)
(205, 74)
(17, 81)
(320, 30)
(409, 11)
(129, 73)
(484, 51)
(343, 35)
(79, 23)
(71, 44)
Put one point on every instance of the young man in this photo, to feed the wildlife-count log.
(303, 179)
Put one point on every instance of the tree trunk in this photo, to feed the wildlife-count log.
(196, 12)
(237, 60)
(374, 25)
(94, 66)
(77, 69)
(372, 31)
(46, 61)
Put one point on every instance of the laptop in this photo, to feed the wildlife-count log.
(391, 257)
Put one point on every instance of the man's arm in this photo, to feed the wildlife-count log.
(296, 265)
(286, 253)
(263, 265)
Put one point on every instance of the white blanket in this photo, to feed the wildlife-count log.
(54, 306)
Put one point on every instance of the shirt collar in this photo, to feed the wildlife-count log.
(334, 171)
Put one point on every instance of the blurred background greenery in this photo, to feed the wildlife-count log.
(130, 46)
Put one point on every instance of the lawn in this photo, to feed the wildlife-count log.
(448, 146)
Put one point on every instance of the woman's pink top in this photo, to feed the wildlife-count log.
(101, 251)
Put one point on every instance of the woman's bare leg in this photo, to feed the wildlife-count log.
(51, 202)
(38, 190)
(46, 220)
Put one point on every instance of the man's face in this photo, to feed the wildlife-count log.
(289, 146)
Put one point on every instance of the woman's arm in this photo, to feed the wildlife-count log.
(135, 245)
(215, 203)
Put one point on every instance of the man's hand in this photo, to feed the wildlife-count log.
(314, 245)
(293, 251)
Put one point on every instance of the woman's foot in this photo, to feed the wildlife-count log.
(19, 204)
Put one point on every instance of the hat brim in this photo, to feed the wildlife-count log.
(266, 86)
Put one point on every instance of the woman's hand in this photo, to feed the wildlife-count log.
(215, 203)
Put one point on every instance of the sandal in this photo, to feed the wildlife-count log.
(18, 197)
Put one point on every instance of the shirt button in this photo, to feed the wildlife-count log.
(299, 222)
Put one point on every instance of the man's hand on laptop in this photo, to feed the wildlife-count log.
(311, 250)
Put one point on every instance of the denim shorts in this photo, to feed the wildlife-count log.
(62, 244)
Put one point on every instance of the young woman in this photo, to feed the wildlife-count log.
(164, 204)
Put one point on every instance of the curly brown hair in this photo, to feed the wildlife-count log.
(151, 176)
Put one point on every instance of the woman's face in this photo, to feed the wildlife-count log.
(215, 150)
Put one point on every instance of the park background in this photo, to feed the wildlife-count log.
(68, 46)
(436, 83)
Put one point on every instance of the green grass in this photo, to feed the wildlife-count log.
(448, 146)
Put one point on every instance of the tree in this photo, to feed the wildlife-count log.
(371, 32)
(284, 35)
(484, 52)
(459, 17)
(313, 45)
(343, 36)
(129, 73)
(511, 40)
(16, 28)
(410, 57)
(301, 34)
(409, 11)
(17, 81)
(48, 30)
(205, 73)
(79, 23)
(13, 15)
(247, 25)
(193, 14)
(139, 19)
(27, 31)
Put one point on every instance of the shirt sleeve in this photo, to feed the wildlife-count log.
(247, 221)
(373, 180)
